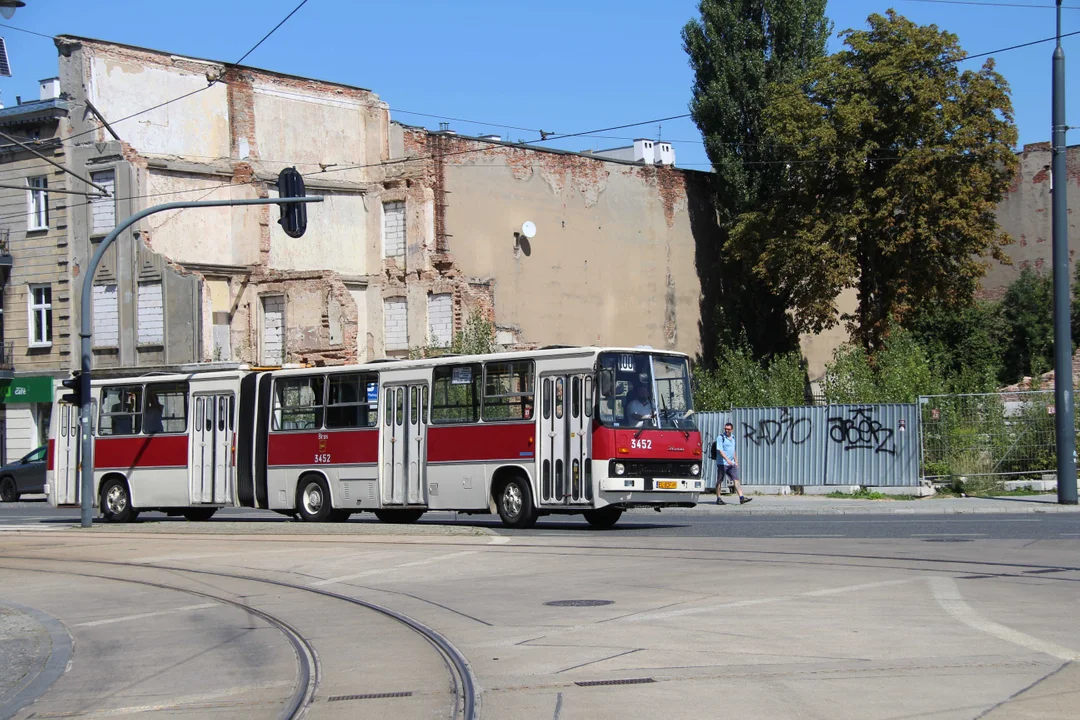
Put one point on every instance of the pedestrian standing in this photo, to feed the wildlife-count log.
(727, 464)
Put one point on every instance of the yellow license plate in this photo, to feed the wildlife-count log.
(667, 484)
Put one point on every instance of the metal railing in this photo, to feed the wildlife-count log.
(988, 434)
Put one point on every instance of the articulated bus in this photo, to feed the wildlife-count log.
(592, 431)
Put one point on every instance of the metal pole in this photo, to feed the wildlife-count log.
(86, 472)
(1063, 381)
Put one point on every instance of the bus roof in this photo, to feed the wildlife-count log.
(388, 364)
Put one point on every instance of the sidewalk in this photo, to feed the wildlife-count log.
(818, 505)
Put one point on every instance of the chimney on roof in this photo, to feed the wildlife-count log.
(50, 88)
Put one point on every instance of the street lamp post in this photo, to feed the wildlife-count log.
(1065, 429)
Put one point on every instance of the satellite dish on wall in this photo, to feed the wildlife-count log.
(528, 229)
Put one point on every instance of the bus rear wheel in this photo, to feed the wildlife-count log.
(515, 504)
(313, 499)
(198, 514)
(399, 517)
(604, 518)
(115, 502)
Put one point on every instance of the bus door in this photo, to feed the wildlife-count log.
(67, 437)
(211, 449)
(404, 444)
(565, 475)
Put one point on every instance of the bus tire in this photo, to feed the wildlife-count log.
(604, 518)
(9, 492)
(200, 514)
(399, 517)
(313, 499)
(115, 502)
(515, 504)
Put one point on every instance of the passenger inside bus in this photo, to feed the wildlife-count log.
(123, 415)
(152, 418)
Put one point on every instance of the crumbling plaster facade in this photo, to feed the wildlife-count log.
(1024, 213)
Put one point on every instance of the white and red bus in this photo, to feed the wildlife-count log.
(592, 431)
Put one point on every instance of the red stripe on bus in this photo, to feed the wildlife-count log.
(49, 456)
(611, 443)
(324, 447)
(112, 453)
(491, 441)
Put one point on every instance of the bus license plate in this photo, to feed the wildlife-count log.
(667, 484)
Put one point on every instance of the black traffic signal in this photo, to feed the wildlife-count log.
(75, 385)
(293, 220)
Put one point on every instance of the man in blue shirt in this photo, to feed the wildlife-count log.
(727, 464)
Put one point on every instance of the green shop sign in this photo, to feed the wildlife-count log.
(26, 390)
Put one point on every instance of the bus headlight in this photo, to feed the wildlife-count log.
(620, 469)
(695, 469)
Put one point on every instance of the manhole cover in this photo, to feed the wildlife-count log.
(579, 603)
(946, 540)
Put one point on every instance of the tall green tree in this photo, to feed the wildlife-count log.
(737, 49)
(896, 160)
(1028, 311)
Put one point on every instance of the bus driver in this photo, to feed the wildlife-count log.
(640, 408)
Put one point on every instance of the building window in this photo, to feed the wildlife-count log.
(393, 229)
(150, 313)
(103, 209)
(106, 317)
(37, 203)
(441, 319)
(273, 330)
(396, 323)
(40, 316)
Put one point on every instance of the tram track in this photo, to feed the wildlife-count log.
(308, 667)
(466, 690)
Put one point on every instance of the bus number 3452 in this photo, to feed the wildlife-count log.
(642, 444)
(322, 458)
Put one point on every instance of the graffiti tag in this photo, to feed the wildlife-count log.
(785, 430)
(861, 431)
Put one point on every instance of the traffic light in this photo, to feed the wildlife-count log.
(74, 384)
(293, 220)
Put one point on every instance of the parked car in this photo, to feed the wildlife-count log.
(23, 476)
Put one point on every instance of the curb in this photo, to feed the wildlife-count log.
(61, 646)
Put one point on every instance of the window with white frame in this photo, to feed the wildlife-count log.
(106, 317)
(273, 330)
(441, 319)
(150, 314)
(40, 315)
(396, 323)
(37, 199)
(393, 229)
(103, 209)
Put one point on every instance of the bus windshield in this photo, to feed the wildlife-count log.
(640, 390)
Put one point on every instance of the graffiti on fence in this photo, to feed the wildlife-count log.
(785, 430)
(860, 431)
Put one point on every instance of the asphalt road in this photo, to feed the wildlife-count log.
(928, 528)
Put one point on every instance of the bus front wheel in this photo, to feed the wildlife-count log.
(604, 518)
(515, 504)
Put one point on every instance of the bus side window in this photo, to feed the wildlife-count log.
(121, 410)
(588, 396)
(558, 397)
(547, 398)
(455, 394)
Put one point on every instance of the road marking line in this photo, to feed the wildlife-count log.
(380, 571)
(140, 616)
(23, 527)
(947, 595)
(768, 601)
(499, 540)
(948, 535)
(809, 536)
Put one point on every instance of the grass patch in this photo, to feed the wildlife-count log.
(865, 494)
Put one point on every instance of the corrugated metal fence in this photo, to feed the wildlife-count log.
(870, 445)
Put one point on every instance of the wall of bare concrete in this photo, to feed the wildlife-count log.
(613, 259)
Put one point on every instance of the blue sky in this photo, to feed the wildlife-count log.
(560, 65)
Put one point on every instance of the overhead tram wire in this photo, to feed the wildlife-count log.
(985, 3)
